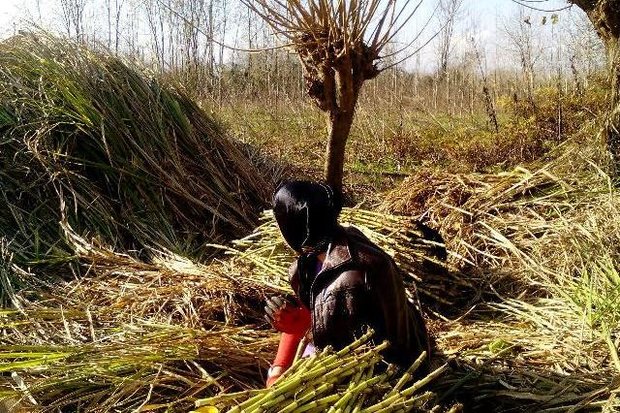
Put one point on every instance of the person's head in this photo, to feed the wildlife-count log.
(307, 214)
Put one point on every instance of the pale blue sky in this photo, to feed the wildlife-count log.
(483, 19)
(13, 11)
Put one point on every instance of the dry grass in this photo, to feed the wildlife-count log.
(546, 336)
(181, 328)
(419, 257)
(134, 335)
(388, 141)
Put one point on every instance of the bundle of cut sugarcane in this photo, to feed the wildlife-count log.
(354, 379)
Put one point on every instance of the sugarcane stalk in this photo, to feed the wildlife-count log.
(279, 388)
(407, 375)
(406, 404)
(221, 398)
(319, 405)
(407, 392)
(357, 343)
(273, 402)
(299, 366)
(312, 392)
(337, 408)
(361, 387)
(307, 396)
(350, 366)
(321, 374)
(326, 371)
(360, 402)
(294, 382)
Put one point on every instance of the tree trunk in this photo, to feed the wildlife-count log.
(341, 87)
(612, 127)
(605, 16)
(339, 126)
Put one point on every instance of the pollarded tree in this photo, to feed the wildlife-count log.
(339, 43)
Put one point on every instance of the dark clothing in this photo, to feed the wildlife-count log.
(358, 286)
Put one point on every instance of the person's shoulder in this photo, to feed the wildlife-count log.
(366, 252)
(356, 236)
(292, 269)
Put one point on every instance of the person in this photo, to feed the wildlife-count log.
(343, 284)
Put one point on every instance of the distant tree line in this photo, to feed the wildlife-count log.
(204, 46)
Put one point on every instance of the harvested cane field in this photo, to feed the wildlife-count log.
(137, 252)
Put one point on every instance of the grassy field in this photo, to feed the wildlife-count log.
(135, 261)
(389, 141)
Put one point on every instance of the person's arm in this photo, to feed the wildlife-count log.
(293, 320)
(289, 342)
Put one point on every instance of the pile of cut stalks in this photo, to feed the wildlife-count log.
(354, 379)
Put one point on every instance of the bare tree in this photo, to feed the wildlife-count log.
(489, 104)
(587, 50)
(523, 39)
(447, 13)
(193, 14)
(114, 13)
(155, 14)
(73, 17)
(339, 45)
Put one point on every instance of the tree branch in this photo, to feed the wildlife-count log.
(524, 4)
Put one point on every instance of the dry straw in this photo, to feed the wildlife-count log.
(133, 335)
(546, 239)
(400, 236)
(179, 337)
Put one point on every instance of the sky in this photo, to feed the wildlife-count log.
(485, 18)
(14, 12)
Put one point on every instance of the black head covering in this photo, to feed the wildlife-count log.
(307, 213)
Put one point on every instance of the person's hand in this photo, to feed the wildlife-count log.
(274, 374)
(287, 316)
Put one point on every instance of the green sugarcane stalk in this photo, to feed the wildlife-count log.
(307, 396)
(327, 371)
(407, 375)
(292, 383)
(299, 366)
(406, 405)
(319, 405)
(347, 396)
(360, 401)
(358, 397)
(407, 392)
(274, 393)
(265, 405)
(351, 366)
(343, 372)
(321, 374)
(221, 398)
(365, 392)
(312, 392)
(361, 387)
(357, 343)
